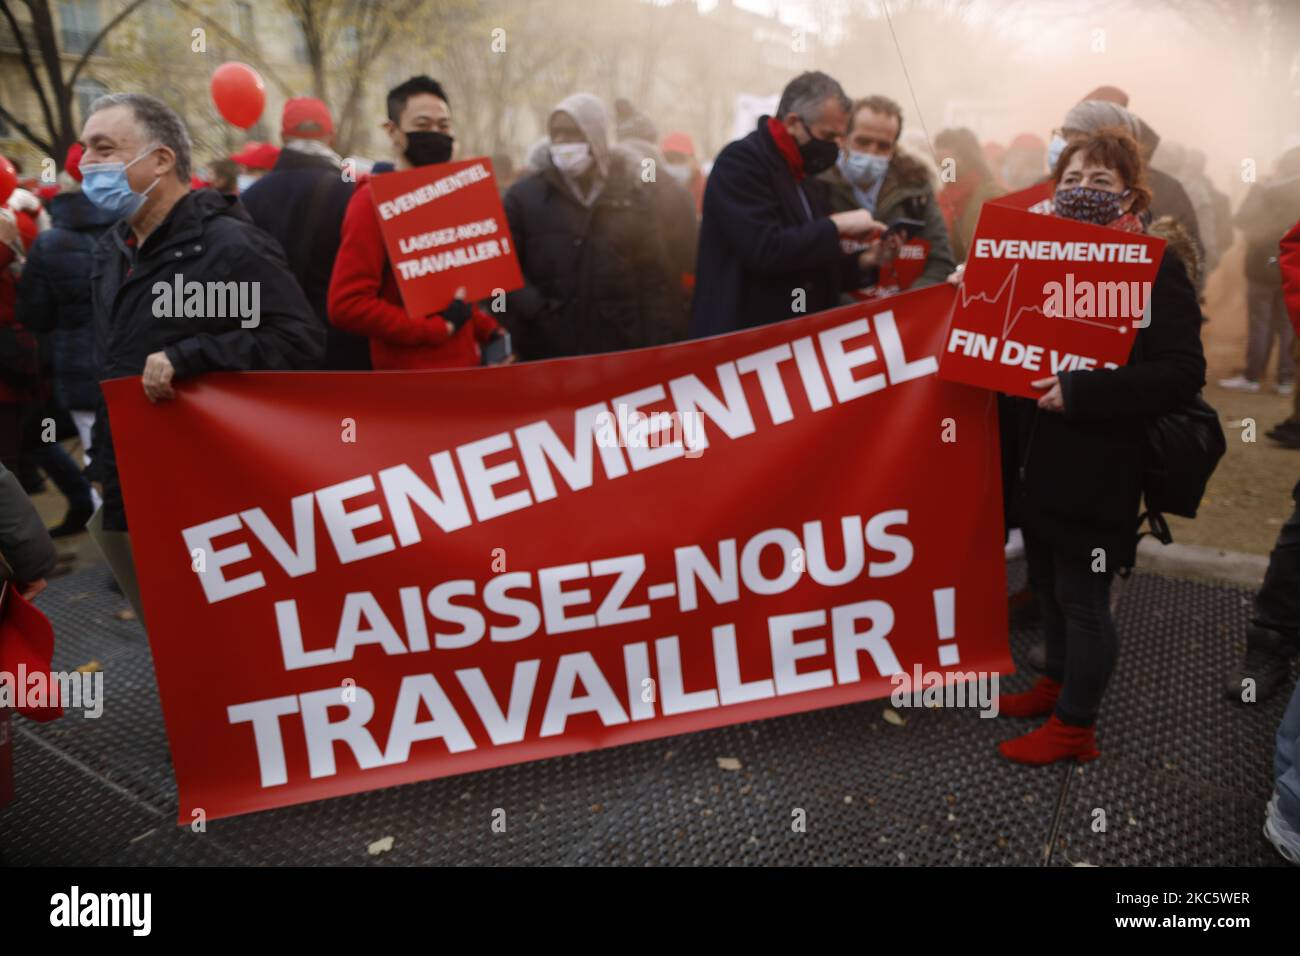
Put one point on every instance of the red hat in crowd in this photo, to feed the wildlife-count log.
(678, 143)
(256, 155)
(1109, 94)
(1027, 141)
(8, 179)
(72, 162)
(305, 117)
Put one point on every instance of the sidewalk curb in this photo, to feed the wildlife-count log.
(1201, 563)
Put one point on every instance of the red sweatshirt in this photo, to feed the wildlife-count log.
(364, 299)
(1289, 260)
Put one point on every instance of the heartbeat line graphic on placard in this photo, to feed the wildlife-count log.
(1008, 319)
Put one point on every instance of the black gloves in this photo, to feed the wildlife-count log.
(458, 313)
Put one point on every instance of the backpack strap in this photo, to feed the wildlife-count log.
(1159, 528)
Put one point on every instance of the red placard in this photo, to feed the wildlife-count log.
(1035, 198)
(1043, 295)
(444, 227)
(896, 276)
(432, 594)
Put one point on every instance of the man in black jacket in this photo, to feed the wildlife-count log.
(137, 165)
(769, 245)
(301, 203)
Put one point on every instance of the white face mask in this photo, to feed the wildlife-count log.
(572, 159)
(244, 181)
(1054, 150)
(679, 171)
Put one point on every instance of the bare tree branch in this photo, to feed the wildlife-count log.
(29, 64)
(99, 38)
(43, 145)
(247, 51)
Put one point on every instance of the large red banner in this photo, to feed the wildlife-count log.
(356, 580)
(1043, 295)
(445, 228)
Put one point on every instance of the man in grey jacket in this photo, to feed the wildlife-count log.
(24, 542)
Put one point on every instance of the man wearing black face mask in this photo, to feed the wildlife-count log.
(363, 295)
(769, 245)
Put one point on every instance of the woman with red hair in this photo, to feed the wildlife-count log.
(1078, 481)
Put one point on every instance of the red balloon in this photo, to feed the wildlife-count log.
(8, 179)
(239, 94)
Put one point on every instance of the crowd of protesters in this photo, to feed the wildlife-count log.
(811, 209)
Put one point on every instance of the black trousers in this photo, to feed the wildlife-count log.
(1082, 643)
(1277, 606)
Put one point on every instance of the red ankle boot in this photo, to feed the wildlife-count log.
(1038, 701)
(1052, 742)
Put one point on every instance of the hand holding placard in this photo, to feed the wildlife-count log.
(445, 230)
(1043, 295)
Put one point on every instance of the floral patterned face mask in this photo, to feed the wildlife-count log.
(1096, 206)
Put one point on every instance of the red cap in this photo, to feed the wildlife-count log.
(8, 179)
(72, 162)
(256, 155)
(1027, 141)
(678, 143)
(306, 118)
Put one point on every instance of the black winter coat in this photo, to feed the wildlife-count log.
(1169, 198)
(54, 297)
(301, 203)
(759, 245)
(207, 237)
(1267, 213)
(1079, 479)
(598, 278)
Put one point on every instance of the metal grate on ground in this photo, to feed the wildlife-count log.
(1183, 777)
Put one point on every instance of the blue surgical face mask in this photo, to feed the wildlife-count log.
(1054, 150)
(862, 169)
(106, 185)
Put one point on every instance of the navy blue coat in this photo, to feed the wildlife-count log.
(301, 203)
(54, 297)
(759, 243)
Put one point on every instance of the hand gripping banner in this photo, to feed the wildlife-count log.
(357, 580)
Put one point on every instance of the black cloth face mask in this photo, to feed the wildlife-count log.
(818, 155)
(426, 147)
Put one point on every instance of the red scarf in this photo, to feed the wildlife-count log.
(786, 145)
(1128, 222)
